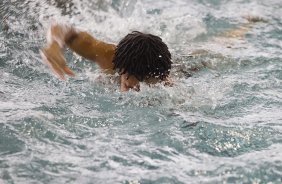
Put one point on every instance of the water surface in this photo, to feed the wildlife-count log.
(220, 125)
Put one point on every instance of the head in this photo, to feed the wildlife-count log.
(143, 56)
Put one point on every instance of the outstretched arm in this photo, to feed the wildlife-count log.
(80, 42)
(243, 29)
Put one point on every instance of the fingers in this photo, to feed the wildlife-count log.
(61, 63)
(56, 63)
(68, 71)
(51, 64)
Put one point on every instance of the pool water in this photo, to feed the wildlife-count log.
(221, 123)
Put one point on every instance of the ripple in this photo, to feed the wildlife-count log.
(10, 143)
(219, 123)
(231, 142)
(164, 179)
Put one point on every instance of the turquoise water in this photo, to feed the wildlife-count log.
(223, 124)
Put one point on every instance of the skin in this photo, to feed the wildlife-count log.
(243, 29)
(82, 43)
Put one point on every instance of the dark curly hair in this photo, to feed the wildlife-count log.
(143, 56)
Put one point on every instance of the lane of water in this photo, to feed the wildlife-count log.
(222, 125)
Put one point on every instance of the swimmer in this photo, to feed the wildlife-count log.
(138, 57)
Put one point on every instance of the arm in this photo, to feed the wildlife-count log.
(243, 29)
(78, 41)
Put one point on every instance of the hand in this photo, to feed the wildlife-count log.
(52, 55)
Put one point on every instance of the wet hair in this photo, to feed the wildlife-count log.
(143, 56)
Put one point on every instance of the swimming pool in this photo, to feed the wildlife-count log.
(221, 124)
